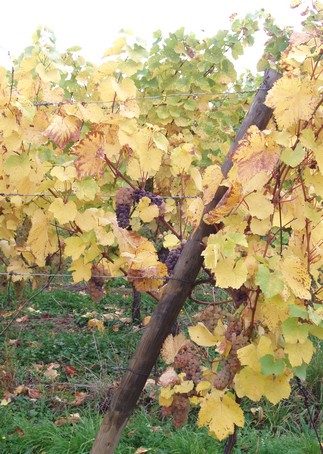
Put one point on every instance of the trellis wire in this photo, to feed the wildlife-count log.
(65, 275)
(4, 194)
(142, 98)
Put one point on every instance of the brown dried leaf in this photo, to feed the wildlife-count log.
(79, 398)
(171, 347)
(90, 152)
(169, 378)
(34, 393)
(73, 417)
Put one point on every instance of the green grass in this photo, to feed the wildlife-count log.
(59, 333)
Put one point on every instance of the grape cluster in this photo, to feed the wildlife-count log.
(23, 232)
(123, 206)
(123, 216)
(231, 365)
(140, 193)
(95, 284)
(210, 316)
(179, 408)
(188, 360)
(224, 377)
(172, 258)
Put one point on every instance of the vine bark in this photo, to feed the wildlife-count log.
(173, 296)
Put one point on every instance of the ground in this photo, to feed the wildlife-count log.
(58, 373)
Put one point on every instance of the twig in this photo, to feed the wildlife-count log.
(303, 390)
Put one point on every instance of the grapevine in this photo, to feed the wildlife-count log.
(114, 181)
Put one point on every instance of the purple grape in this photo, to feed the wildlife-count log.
(123, 214)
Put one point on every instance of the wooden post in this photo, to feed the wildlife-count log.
(172, 299)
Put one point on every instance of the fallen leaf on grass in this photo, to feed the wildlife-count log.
(142, 450)
(4, 402)
(18, 431)
(34, 393)
(14, 342)
(73, 417)
(145, 322)
(23, 319)
(96, 324)
(69, 370)
(51, 371)
(79, 398)
(22, 389)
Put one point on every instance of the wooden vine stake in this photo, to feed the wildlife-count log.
(173, 297)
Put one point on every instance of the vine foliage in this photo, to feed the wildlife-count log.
(108, 168)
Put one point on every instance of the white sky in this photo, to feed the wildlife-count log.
(93, 25)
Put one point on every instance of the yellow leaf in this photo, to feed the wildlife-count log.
(81, 271)
(227, 204)
(259, 205)
(299, 352)
(229, 273)
(203, 386)
(292, 100)
(296, 276)
(117, 47)
(166, 396)
(63, 173)
(96, 324)
(171, 241)
(39, 239)
(277, 388)
(185, 386)
(181, 158)
(63, 212)
(211, 253)
(254, 385)
(74, 247)
(273, 311)
(171, 347)
(147, 278)
(256, 153)
(147, 211)
(249, 383)
(221, 414)
(212, 179)
(63, 129)
(202, 336)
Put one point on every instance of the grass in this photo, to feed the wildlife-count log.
(92, 362)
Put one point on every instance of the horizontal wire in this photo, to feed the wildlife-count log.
(142, 98)
(4, 194)
(13, 273)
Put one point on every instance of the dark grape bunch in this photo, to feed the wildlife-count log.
(179, 408)
(188, 360)
(172, 258)
(124, 199)
(95, 284)
(123, 216)
(140, 193)
(123, 206)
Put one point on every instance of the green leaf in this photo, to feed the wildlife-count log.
(300, 371)
(294, 331)
(269, 282)
(297, 311)
(293, 157)
(269, 366)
